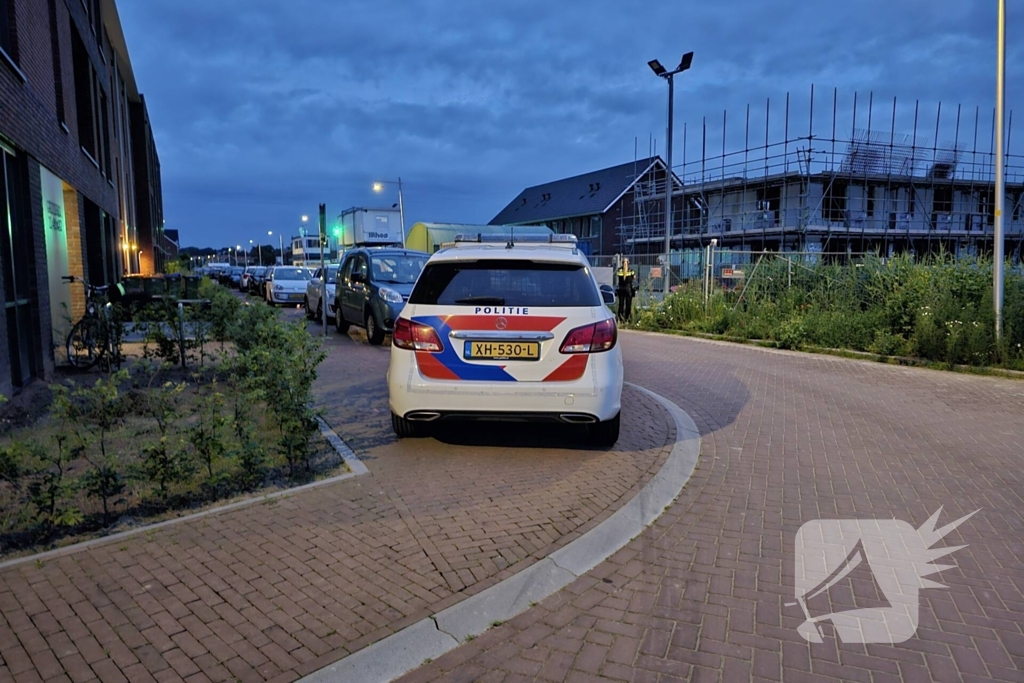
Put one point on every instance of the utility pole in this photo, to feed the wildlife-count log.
(662, 72)
(669, 187)
(323, 265)
(997, 251)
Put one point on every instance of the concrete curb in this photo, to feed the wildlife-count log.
(401, 652)
(356, 467)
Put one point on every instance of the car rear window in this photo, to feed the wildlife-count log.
(291, 274)
(505, 283)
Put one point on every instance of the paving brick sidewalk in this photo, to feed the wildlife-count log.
(787, 438)
(279, 589)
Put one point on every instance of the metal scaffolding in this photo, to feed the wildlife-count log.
(889, 183)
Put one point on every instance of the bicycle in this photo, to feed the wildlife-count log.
(90, 340)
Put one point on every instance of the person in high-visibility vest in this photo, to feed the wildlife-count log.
(625, 289)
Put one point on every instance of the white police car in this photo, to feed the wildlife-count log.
(507, 330)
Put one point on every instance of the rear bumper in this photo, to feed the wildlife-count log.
(596, 396)
(562, 417)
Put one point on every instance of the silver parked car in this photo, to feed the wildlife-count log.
(313, 304)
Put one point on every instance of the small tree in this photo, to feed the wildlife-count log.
(50, 489)
(165, 462)
(206, 436)
(100, 409)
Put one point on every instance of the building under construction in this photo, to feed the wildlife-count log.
(887, 186)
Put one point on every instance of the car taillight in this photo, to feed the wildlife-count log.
(591, 338)
(415, 336)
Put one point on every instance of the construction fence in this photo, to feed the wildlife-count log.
(719, 269)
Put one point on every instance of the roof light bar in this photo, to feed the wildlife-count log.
(479, 238)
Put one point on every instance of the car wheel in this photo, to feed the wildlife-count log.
(374, 332)
(405, 429)
(340, 323)
(605, 434)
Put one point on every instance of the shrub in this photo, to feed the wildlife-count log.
(206, 436)
(792, 334)
(939, 308)
(166, 462)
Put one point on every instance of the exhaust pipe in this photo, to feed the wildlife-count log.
(577, 418)
(423, 416)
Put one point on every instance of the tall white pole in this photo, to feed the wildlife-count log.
(669, 187)
(997, 251)
(401, 210)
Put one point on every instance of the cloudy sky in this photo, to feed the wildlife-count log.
(263, 109)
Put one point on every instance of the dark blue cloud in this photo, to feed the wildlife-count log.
(262, 109)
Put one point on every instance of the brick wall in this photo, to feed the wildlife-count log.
(76, 248)
(39, 117)
(32, 24)
(28, 115)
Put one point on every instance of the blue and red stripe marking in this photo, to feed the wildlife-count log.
(448, 364)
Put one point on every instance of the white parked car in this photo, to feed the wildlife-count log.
(499, 332)
(287, 285)
(314, 307)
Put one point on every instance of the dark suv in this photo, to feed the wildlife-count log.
(372, 286)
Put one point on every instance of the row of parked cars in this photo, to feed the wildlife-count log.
(484, 330)
(367, 289)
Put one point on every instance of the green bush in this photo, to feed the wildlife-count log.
(139, 442)
(938, 309)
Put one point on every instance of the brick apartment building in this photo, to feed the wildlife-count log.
(79, 173)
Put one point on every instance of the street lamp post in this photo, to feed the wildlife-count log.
(302, 240)
(378, 186)
(280, 239)
(997, 251)
(659, 70)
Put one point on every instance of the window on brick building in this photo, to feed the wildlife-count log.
(83, 94)
(6, 34)
(104, 136)
(17, 258)
(58, 80)
(97, 23)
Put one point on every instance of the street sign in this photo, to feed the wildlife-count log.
(655, 272)
(732, 274)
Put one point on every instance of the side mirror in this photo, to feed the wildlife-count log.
(607, 294)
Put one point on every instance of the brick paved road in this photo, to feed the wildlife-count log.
(273, 591)
(788, 438)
